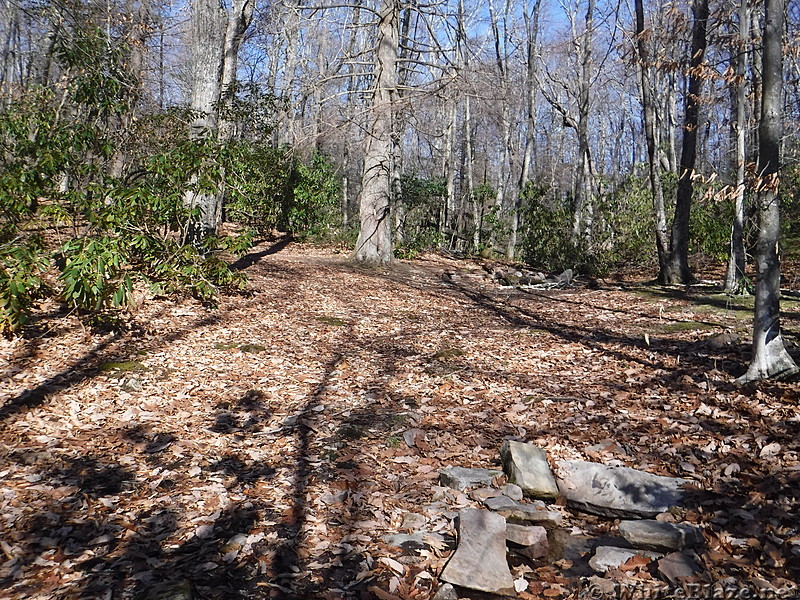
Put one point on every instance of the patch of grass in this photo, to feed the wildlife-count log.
(225, 345)
(335, 321)
(393, 441)
(686, 326)
(397, 419)
(446, 354)
(123, 367)
(252, 348)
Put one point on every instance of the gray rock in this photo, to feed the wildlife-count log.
(611, 557)
(718, 341)
(479, 562)
(481, 494)
(535, 512)
(513, 491)
(525, 535)
(526, 466)
(565, 277)
(500, 503)
(657, 535)
(460, 478)
(532, 538)
(445, 592)
(677, 565)
(617, 491)
(413, 521)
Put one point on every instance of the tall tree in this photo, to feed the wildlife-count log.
(531, 18)
(677, 268)
(216, 35)
(735, 280)
(770, 358)
(374, 244)
(579, 92)
(645, 70)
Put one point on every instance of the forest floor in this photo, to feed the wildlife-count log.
(256, 449)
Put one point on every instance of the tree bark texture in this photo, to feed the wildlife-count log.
(584, 180)
(649, 117)
(532, 32)
(678, 264)
(770, 358)
(374, 244)
(735, 280)
(216, 38)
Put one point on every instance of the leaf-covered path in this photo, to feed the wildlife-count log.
(258, 450)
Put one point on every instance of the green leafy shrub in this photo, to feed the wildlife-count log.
(621, 232)
(546, 231)
(421, 202)
(315, 196)
(20, 282)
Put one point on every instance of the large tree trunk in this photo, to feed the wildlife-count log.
(735, 280)
(648, 109)
(584, 180)
(770, 358)
(532, 32)
(678, 264)
(239, 20)
(447, 220)
(216, 38)
(208, 24)
(374, 244)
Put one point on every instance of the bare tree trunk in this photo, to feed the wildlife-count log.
(659, 211)
(469, 163)
(532, 32)
(212, 53)
(584, 181)
(501, 60)
(735, 280)
(239, 20)
(346, 186)
(208, 20)
(374, 244)
(770, 358)
(678, 264)
(449, 169)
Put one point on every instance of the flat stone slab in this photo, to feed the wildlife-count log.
(526, 466)
(617, 491)
(611, 557)
(479, 562)
(461, 478)
(500, 502)
(525, 535)
(677, 565)
(513, 491)
(531, 538)
(413, 521)
(481, 494)
(656, 535)
(535, 512)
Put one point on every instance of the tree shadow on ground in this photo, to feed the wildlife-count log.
(248, 260)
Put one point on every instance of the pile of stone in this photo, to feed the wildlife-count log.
(524, 278)
(516, 518)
